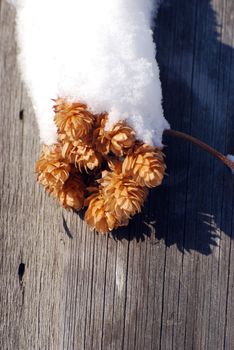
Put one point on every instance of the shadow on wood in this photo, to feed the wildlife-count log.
(196, 201)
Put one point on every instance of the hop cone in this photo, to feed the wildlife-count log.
(52, 169)
(123, 196)
(72, 119)
(119, 140)
(145, 164)
(82, 155)
(72, 194)
(101, 139)
(122, 138)
(96, 214)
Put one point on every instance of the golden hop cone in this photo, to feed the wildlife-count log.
(82, 155)
(96, 214)
(123, 195)
(122, 138)
(118, 140)
(73, 193)
(145, 164)
(52, 169)
(72, 119)
(101, 140)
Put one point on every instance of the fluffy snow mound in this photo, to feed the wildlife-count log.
(98, 52)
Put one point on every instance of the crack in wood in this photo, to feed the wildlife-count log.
(21, 114)
(21, 271)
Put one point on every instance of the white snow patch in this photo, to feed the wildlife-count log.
(98, 52)
(231, 157)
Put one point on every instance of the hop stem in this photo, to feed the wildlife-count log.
(204, 146)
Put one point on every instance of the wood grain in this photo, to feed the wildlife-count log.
(167, 281)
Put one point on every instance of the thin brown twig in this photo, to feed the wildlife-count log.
(204, 146)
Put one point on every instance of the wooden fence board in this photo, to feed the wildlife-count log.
(165, 282)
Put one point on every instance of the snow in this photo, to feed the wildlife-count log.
(231, 157)
(98, 52)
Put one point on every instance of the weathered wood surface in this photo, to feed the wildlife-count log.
(166, 282)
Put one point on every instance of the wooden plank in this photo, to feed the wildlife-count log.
(165, 282)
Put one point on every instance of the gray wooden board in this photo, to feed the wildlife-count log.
(165, 282)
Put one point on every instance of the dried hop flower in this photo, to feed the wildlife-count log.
(73, 192)
(82, 155)
(101, 139)
(72, 119)
(123, 195)
(96, 214)
(146, 165)
(118, 140)
(52, 169)
(122, 138)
